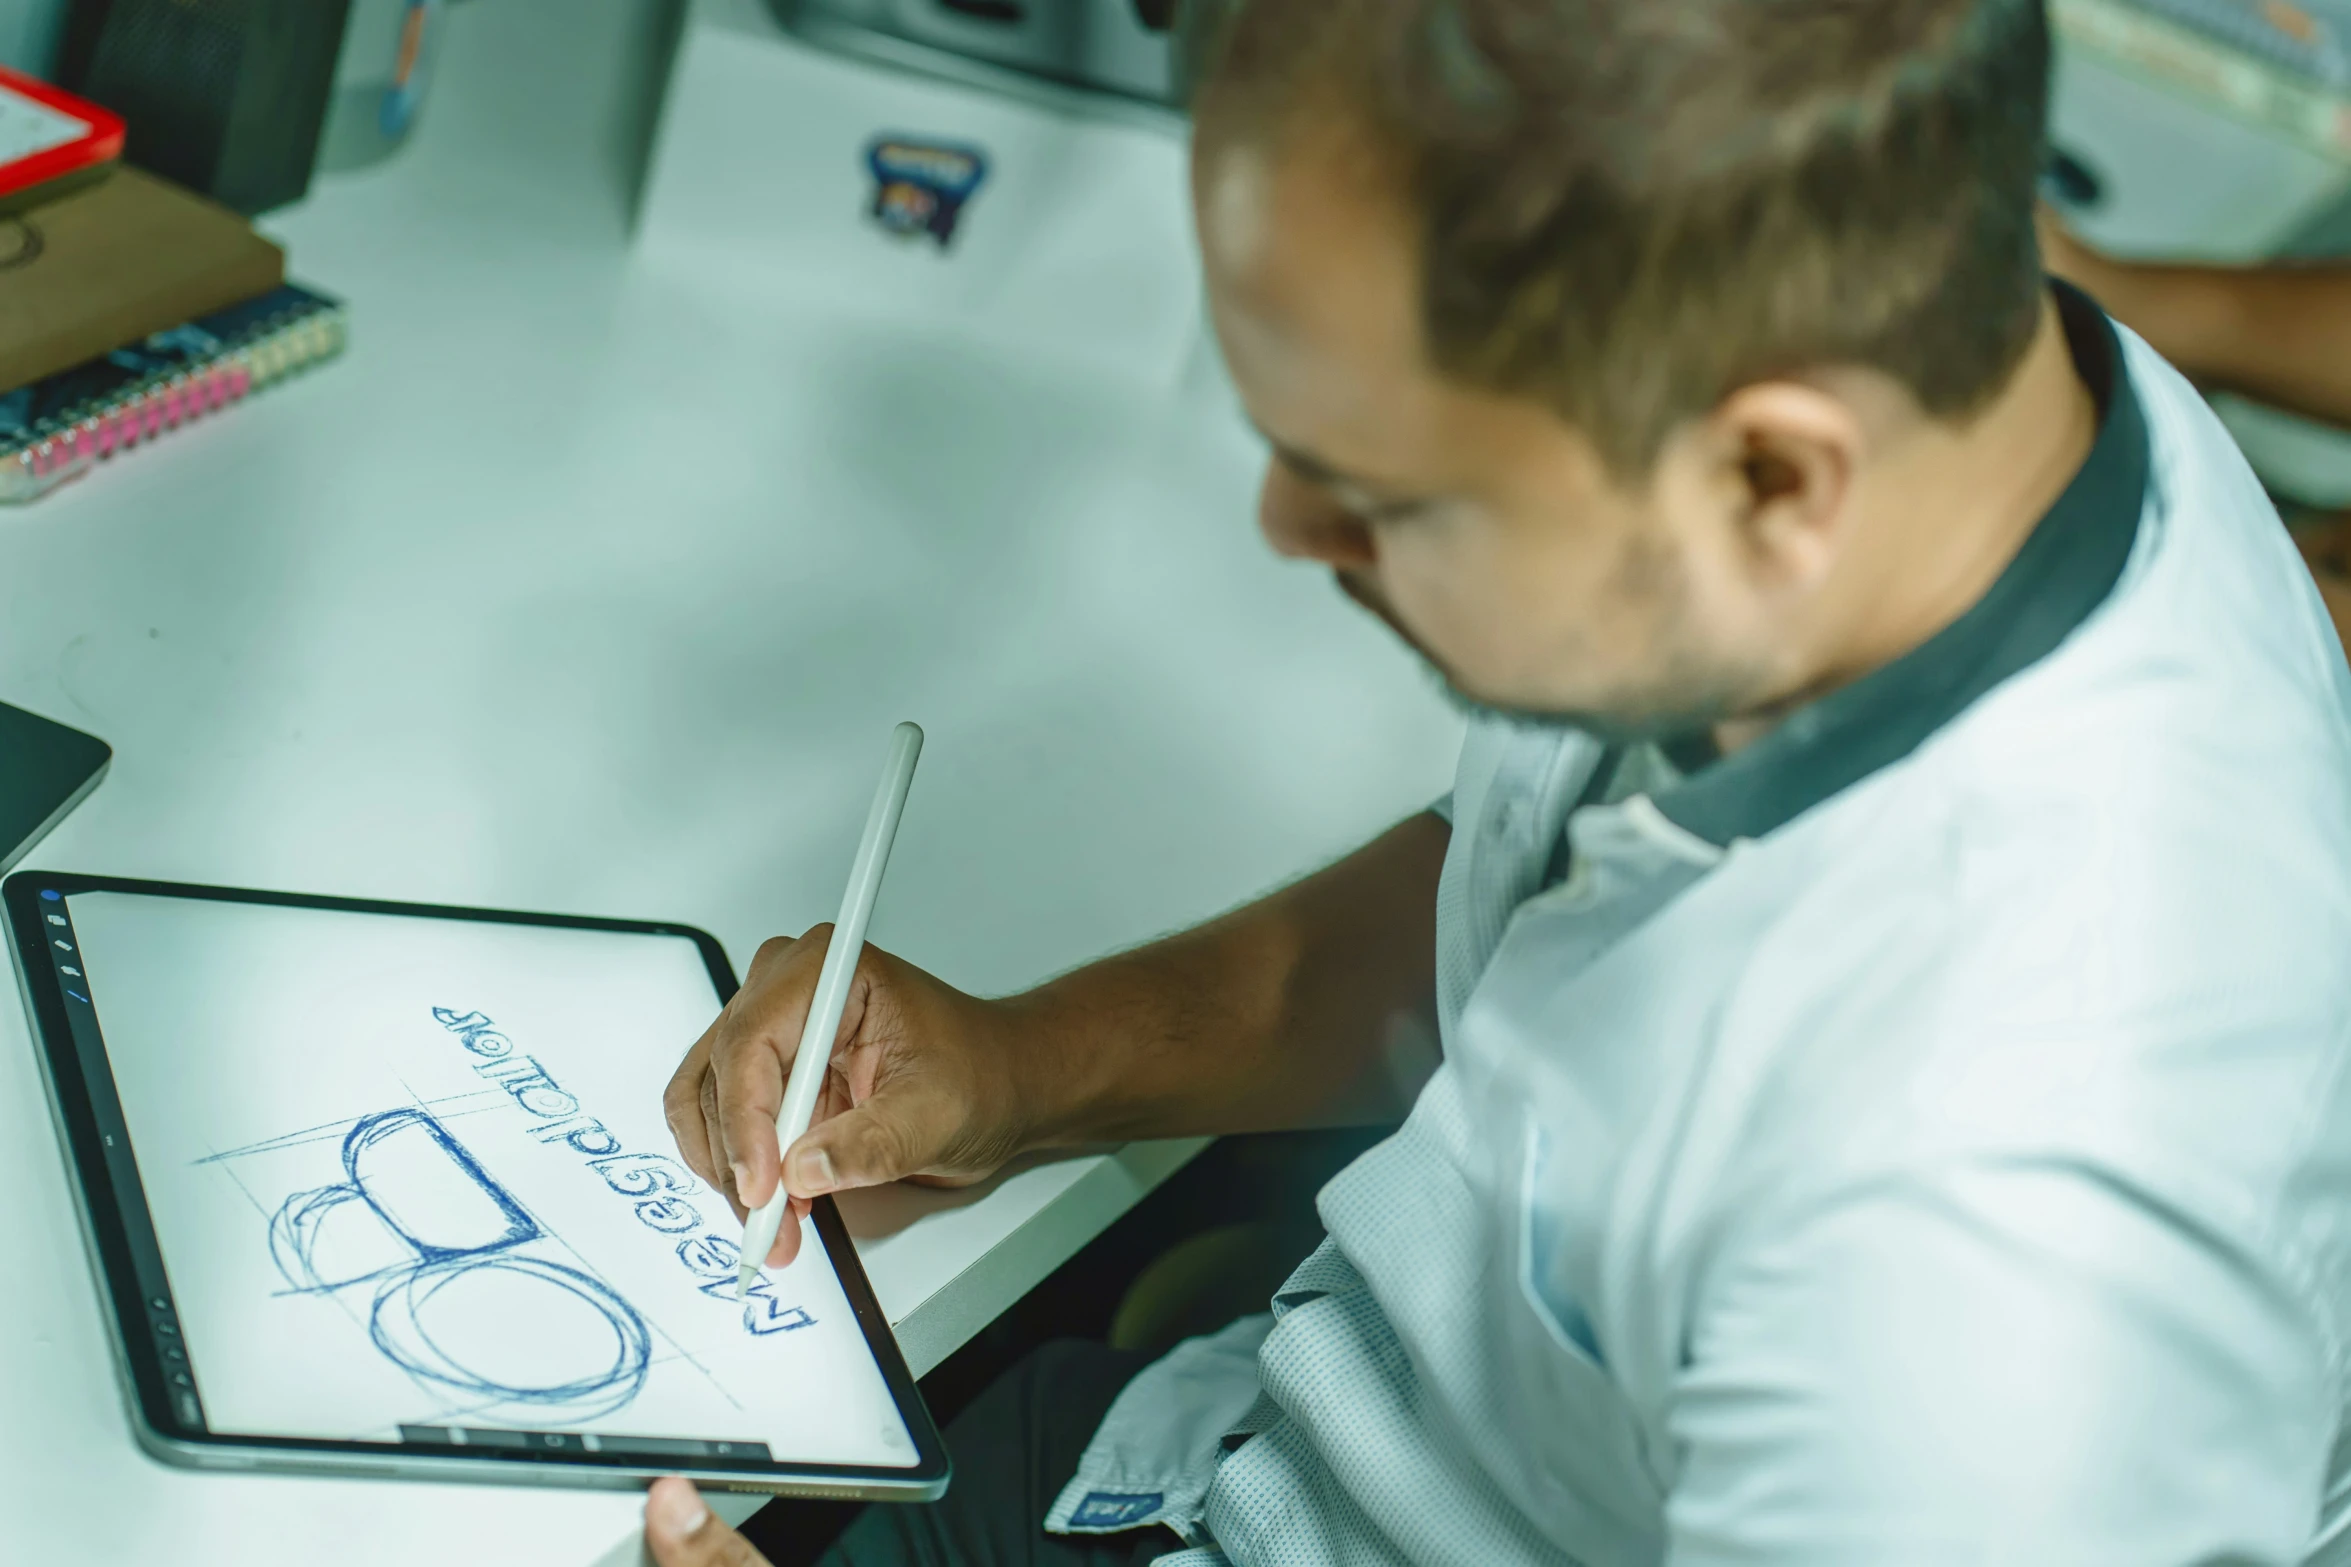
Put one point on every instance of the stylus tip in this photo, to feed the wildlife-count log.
(744, 1274)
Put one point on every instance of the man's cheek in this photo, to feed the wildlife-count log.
(1449, 629)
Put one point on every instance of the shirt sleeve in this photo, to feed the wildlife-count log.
(2006, 1363)
(1443, 809)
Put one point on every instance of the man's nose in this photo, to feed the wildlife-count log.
(1301, 521)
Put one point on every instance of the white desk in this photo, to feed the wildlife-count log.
(585, 584)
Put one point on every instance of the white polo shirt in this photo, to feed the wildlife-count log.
(1920, 1137)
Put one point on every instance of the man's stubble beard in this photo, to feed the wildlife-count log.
(1685, 697)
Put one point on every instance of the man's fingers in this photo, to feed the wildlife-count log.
(787, 1244)
(747, 1125)
(754, 1067)
(747, 1080)
(681, 1106)
(723, 1177)
(751, 1057)
(681, 1532)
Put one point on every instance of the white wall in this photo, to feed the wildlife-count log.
(28, 32)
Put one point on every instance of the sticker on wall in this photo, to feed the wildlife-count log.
(921, 187)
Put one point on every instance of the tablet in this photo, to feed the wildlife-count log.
(46, 770)
(386, 1189)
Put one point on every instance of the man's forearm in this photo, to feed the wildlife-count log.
(2281, 334)
(1311, 1007)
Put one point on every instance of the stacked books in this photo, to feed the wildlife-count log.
(2283, 65)
(127, 306)
(62, 425)
(2283, 69)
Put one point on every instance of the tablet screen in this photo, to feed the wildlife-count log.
(412, 1184)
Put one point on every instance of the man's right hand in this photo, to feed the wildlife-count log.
(923, 1083)
(1311, 1007)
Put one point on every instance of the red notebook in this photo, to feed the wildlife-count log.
(50, 140)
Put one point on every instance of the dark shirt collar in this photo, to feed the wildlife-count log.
(2064, 570)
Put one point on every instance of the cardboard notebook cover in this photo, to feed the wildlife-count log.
(115, 261)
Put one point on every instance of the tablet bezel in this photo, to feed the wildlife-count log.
(127, 1261)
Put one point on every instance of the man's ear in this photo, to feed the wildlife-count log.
(1789, 454)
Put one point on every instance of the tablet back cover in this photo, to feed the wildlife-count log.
(45, 770)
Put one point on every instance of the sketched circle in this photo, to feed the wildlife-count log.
(452, 1321)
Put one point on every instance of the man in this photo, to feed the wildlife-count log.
(1888, 936)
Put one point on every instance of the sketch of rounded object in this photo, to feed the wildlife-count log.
(414, 1192)
(322, 1240)
(516, 1330)
(429, 1189)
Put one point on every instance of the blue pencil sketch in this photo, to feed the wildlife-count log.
(763, 1312)
(586, 1353)
(419, 1196)
(447, 1249)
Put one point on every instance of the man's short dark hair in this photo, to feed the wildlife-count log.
(1632, 208)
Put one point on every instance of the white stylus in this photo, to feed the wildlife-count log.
(832, 991)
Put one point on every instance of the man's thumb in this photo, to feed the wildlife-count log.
(867, 1146)
(680, 1531)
